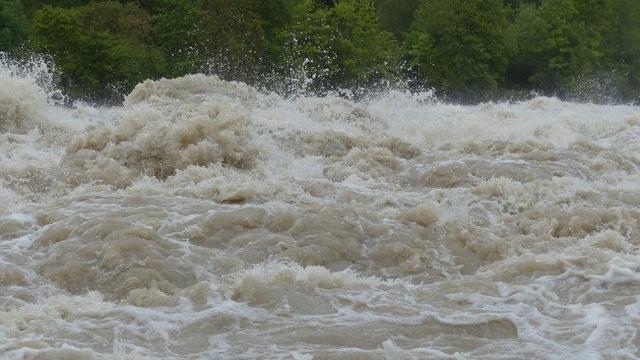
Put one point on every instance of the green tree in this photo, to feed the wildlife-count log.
(177, 33)
(458, 46)
(14, 25)
(237, 40)
(396, 15)
(34, 5)
(553, 46)
(101, 49)
(342, 46)
(515, 4)
(276, 16)
(466, 49)
(232, 38)
(621, 46)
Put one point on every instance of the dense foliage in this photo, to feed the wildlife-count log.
(459, 46)
(467, 50)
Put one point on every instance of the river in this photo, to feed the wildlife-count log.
(203, 219)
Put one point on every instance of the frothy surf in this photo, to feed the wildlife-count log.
(203, 219)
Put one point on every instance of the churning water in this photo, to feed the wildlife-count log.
(205, 220)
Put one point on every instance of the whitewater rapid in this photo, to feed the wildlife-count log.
(203, 219)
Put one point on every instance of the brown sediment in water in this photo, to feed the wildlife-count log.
(203, 219)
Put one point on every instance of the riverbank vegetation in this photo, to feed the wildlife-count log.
(466, 50)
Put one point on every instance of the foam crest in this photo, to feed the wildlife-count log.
(22, 101)
(159, 140)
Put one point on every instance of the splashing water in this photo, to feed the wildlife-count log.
(203, 219)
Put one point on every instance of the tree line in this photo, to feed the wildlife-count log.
(467, 50)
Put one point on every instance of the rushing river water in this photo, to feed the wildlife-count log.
(205, 220)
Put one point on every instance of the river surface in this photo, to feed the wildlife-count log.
(203, 219)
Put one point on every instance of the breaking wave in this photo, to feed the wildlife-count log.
(204, 219)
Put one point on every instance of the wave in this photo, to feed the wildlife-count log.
(203, 218)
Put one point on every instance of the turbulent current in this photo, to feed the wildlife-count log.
(203, 219)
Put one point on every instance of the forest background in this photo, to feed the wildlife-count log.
(464, 50)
